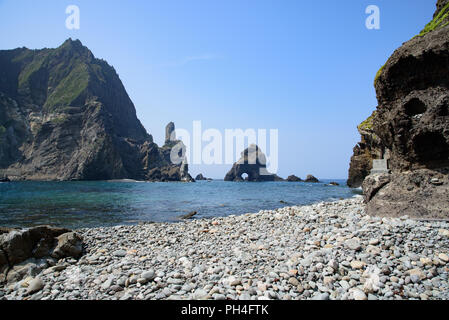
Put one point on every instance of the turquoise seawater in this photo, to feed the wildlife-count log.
(103, 203)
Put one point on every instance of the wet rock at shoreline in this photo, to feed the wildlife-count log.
(23, 251)
(70, 244)
(189, 215)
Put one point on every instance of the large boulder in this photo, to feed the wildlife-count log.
(374, 183)
(410, 128)
(419, 193)
(4, 265)
(18, 247)
(69, 244)
(28, 268)
(253, 163)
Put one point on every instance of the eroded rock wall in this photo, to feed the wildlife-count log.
(411, 127)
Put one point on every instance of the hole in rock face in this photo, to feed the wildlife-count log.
(443, 111)
(245, 176)
(431, 146)
(415, 107)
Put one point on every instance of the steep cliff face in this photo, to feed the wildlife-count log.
(412, 125)
(412, 91)
(370, 147)
(65, 115)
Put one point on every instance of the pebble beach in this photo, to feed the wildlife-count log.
(324, 251)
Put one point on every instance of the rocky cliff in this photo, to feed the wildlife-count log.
(65, 115)
(410, 128)
(369, 148)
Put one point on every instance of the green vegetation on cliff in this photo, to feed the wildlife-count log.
(52, 78)
(378, 74)
(437, 22)
(60, 120)
(63, 103)
(367, 125)
(30, 69)
(441, 20)
(69, 89)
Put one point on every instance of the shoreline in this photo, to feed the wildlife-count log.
(327, 250)
(76, 205)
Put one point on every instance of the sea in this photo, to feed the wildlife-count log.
(87, 204)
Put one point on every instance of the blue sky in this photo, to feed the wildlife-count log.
(305, 68)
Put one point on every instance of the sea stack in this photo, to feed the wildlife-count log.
(168, 163)
(253, 163)
(409, 131)
(169, 131)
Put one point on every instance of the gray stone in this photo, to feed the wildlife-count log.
(148, 275)
(358, 294)
(353, 244)
(321, 296)
(35, 285)
(119, 253)
(200, 294)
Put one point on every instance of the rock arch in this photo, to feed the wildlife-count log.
(252, 163)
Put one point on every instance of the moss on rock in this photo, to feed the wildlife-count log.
(378, 74)
(69, 89)
(441, 20)
(367, 125)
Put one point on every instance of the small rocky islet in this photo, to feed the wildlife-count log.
(322, 251)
